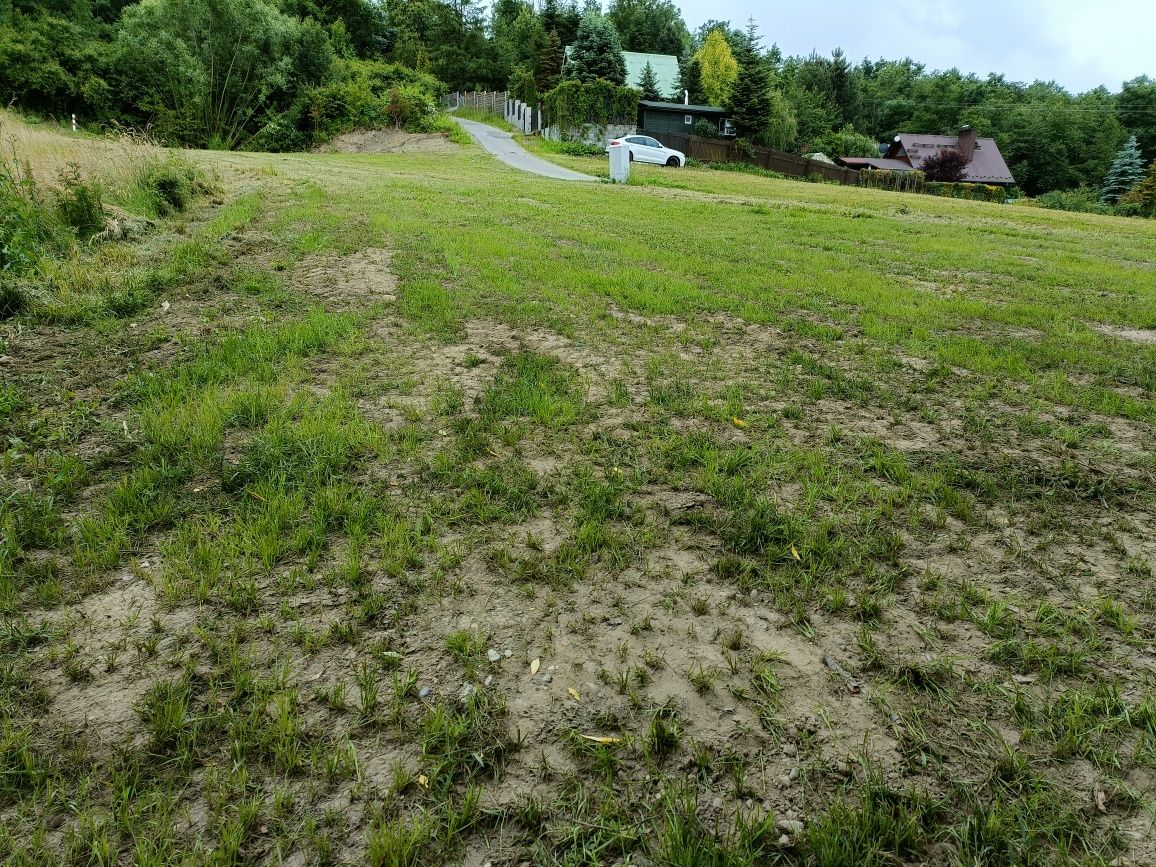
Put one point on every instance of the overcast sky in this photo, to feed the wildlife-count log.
(1078, 43)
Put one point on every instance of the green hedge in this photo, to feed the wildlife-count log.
(916, 182)
(972, 192)
(573, 105)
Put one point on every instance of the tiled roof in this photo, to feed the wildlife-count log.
(987, 165)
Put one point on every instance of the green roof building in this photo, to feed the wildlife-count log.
(665, 68)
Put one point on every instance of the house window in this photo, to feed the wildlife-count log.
(726, 127)
(688, 119)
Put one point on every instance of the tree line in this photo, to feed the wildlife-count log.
(300, 67)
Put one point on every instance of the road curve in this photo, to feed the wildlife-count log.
(502, 145)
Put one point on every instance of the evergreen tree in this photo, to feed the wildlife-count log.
(719, 68)
(649, 26)
(689, 79)
(750, 99)
(596, 53)
(648, 83)
(550, 65)
(1126, 172)
(1144, 193)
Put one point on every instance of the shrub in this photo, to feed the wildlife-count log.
(947, 165)
(29, 230)
(581, 149)
(364, 95)
(883, 179)
(745, 148)
(174, 183)
(79, 204)
(703, 128)
(973, 192)
(1080, 199)
(846, 142)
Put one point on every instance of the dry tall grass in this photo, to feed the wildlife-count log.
(48, 150)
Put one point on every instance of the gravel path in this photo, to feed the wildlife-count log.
(502, 145)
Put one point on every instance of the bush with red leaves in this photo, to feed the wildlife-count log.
(947, 165)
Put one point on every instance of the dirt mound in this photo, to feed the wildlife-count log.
(388, 141)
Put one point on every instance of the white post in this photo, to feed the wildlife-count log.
(74, 123)
(619, 163)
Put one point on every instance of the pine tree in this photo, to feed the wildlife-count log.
(1127, 171)
(550, 65)
(648, 83)
(689, 79)
(596, 53)
(750, 99)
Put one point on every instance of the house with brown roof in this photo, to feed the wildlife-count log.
(909, 150)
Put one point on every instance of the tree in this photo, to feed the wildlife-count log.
(847, 142)
(364, 21)
(650, 26)
(206, 67)
(1126, 172)
(783, 127)
(1137, 103)
(551, 63)
(648, 83)
(522, 86)
(719, 68)
(1144, 193)
(518, 36)
(689, 81)
(749, 104)
(561, 17)
(597, 53)
(947, 165)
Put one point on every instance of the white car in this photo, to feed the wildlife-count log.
(645, 149)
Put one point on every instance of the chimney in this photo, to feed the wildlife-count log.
(967, 142)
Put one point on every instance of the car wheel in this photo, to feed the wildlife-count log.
(673, 162)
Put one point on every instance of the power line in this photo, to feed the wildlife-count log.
(1107, 109)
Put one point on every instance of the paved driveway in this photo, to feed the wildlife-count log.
(502, 145)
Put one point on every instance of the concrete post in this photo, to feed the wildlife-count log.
(619, 163)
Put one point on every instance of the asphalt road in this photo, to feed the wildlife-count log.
(502, 145)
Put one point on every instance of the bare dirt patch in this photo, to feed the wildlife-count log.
(1138, 335)
(348, 281)
(388, 141)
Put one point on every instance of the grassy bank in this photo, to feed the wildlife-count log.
(68, 200)
(448, 514)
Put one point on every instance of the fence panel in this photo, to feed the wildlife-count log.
(489, 101)
(710, 150)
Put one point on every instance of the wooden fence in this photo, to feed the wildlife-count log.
(714, 150)
(491, 101)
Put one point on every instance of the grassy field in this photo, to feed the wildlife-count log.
(434, 513)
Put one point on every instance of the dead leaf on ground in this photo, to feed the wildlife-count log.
(573, 693)
(534, 666)
(602, 739)
(1101, 799)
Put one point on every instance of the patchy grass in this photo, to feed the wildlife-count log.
(416, 511)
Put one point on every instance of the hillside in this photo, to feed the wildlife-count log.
(428, 512)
